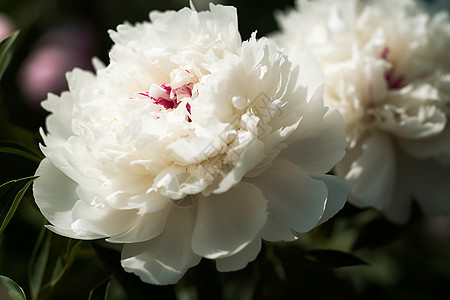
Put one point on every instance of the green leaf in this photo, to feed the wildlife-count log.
(100, 292)
(51, 259)
(334, 258)
(38, 262)
(9, 290)
(6, 53)
(11, 193)
(64, 261)
(14, 133)
(17, 148)
(377, 233)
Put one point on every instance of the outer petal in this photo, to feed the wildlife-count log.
(59, 122)
(240, 259)
(321, 149)
(148, 226)
(295, 200)
(337, 196)
(371, 176)
(311, 113)
(437, 146)
(164, 259)
(276, 230)
(56, 201)
(89, 219)
(228, 222)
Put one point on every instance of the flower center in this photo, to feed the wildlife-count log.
(393, 82)
(171, 95)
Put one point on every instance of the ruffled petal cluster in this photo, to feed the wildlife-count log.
(190, 143)
(387, 70)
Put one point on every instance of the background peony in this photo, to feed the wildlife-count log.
(387, 69)
(190, 144)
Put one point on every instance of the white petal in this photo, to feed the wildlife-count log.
(148, 226)
(59, 123)
(240, 259)
(228, 222)
(437, 146)
(73, 235)
(98, 64)
(311, 113)
(372, 175)
(337, 196)
(321, 149)
(55, 194)
(89, 219)
(427, 121)
(276, 230)
(164, 259)
(310, 75)
(295, 200)
(175, 183)
(251, 156)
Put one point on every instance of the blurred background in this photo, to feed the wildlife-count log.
(371, 259)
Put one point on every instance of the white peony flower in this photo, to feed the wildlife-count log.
(387, 69)
(190, 144)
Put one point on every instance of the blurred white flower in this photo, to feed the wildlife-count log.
(387, 69)
(190, 144)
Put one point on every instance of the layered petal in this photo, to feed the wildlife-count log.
(55, 202)
(228, 222)
(337, 196)
(320, 149)
(241, 259)
(296, 201)
(372, 175)
(147, 226)
(437, 147)
(164, 259)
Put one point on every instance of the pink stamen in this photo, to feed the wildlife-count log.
(384, 52)
(144, 94)
(392, 82)
(168, 88)
(188, 107)
(169, 97)
(167, 103)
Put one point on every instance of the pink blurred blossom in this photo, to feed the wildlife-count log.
(58, 51)
(6, 26)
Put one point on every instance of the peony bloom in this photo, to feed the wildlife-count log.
(190, 144)
(387, 69)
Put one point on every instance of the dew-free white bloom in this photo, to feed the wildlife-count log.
(387, 69)
(190, 144)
